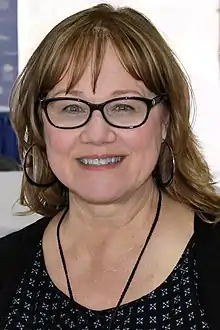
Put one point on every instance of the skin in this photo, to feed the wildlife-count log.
(111, 211)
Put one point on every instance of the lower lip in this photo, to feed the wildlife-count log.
(101, 167)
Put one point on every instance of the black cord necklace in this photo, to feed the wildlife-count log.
(113, 318)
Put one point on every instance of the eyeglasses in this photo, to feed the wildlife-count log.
(121, 112)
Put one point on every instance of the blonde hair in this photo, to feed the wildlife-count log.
(144, 53)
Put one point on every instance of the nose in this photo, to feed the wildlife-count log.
(97, 131)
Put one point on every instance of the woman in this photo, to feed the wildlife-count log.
(130, 236)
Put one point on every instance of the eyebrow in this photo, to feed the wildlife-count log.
(125, 91)
(78, 93)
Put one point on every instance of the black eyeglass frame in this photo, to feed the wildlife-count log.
(100, 107)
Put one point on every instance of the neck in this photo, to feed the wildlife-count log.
(95, 224)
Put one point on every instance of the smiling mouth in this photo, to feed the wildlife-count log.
(101, 161)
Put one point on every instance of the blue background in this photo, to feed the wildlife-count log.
(8, 73)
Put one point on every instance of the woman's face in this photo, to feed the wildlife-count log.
(139, 147)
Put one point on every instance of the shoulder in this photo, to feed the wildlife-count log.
(16, 252)
(207, 231)
(28, 235)
(16, 249)
(207, 244)
(207, 249)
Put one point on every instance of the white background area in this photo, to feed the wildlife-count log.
(192, 30)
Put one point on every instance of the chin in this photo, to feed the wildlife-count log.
(99, 197)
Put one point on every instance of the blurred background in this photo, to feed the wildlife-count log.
(192, 28)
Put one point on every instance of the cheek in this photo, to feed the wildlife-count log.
(58, 143)
(144, 144)
(146, 139)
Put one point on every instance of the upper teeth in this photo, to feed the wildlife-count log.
(99, 161)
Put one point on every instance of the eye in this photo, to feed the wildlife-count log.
(74, 108)
(122, 107)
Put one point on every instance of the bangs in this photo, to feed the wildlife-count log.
(76, 48)
(72, 57)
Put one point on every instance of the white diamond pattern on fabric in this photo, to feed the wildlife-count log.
(38, 304)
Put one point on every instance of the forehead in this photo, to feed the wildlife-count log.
(112, 77)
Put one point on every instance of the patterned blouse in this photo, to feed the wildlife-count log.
(39, 305)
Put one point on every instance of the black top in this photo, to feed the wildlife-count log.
(188, 299)
(39, 304)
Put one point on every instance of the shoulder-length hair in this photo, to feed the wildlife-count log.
(144, 53)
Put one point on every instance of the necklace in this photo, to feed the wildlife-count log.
(127, 285)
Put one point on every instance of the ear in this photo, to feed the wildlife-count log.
(165, 124)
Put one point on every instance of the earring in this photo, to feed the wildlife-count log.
(30, 154)
(165, 164)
